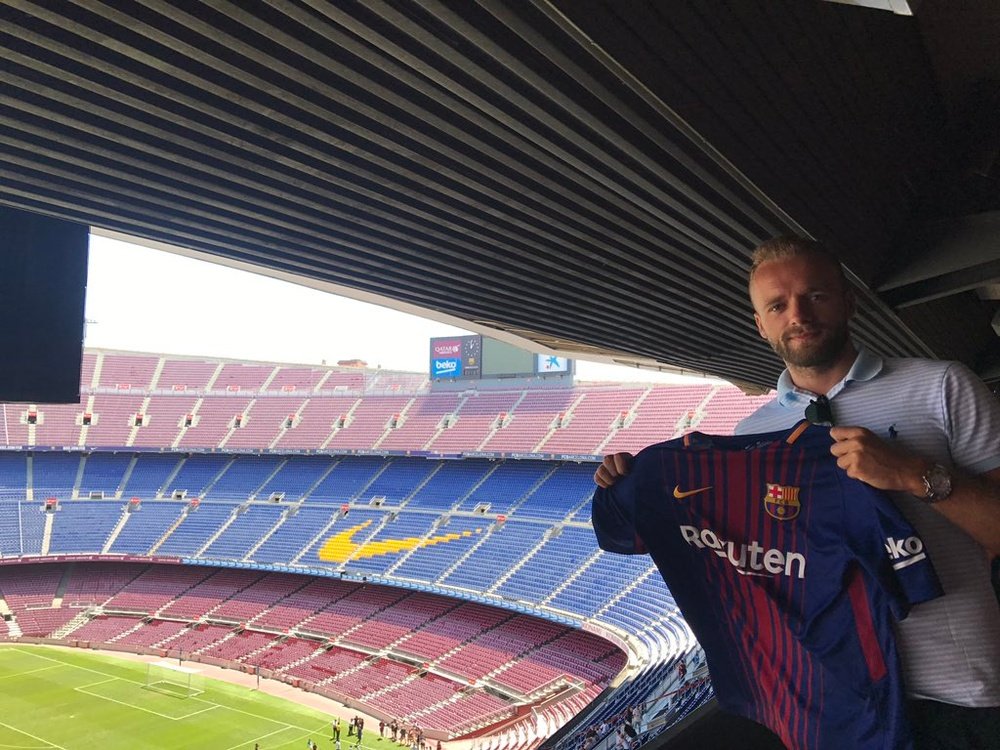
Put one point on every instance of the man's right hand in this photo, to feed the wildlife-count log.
(612, 468)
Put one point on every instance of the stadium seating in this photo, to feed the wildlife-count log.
(103, 473)
(212, 452)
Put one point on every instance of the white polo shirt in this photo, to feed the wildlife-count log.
(950, 647)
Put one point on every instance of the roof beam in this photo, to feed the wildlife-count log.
(948, 256)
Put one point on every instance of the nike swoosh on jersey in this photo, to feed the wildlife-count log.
(680, 494)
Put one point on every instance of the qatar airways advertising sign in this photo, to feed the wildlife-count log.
(444, 348)
(456, 357)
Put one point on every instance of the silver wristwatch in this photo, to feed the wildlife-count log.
(937, 484)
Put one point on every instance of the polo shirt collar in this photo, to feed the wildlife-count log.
(866, 366)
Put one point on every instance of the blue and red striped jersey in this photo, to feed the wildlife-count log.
(789, 574)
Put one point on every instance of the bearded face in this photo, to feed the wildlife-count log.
(802, 309)
(812, 345)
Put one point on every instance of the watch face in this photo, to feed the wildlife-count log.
(938, 482)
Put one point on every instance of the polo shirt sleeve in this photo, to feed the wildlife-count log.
(888, 547)
(971, 415)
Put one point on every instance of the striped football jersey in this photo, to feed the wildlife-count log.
(788, 572)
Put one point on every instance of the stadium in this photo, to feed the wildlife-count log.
(417, 548)
(211, 552)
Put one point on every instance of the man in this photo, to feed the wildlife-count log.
(925, 431)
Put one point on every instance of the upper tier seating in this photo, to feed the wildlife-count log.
(160, 402)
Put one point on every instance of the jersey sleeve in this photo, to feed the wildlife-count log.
(888, 547)
(613, 515)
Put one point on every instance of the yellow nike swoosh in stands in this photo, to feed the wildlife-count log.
(681, 494)
(342, 546)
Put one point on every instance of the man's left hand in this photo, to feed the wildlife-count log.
(865, 456)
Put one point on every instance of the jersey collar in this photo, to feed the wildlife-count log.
(866, 366)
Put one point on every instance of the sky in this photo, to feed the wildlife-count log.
(144, 299)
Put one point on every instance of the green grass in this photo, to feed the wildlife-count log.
(80, 700)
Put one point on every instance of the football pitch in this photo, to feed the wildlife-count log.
(80, 700)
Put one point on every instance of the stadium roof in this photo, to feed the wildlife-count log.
(587, 174)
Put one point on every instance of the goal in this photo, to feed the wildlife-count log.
(171, 678)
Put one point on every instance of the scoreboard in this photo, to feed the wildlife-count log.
(474, 357)
(457, 357)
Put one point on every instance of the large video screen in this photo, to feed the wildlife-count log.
(500, 359)
(474, 357)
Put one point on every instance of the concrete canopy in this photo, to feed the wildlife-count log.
(586, 175)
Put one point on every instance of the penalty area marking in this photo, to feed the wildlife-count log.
(21, 674)
(34, 737)
(137, 682)
(83, 689)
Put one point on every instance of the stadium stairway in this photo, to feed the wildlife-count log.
(182, 432)
(126, 633)
(632, 410)
(549, 534)
(75, 494)
(372, 532)
(447, 422)
(467, 554)
(277, 469)
(227, 637)
(157, 371)
(127, 475)
(172, 476)
(125, 516)
(572, 577)
(435, 527)
(251, 657)
(421, 484)
(247, 413)
(389, 688)
(532, 490)
(403, 413)
(214, 480)
(130, 440)
(233, 515)
(270, 532)
(472, 490)
(501, 424)
(47, 533)
(88, 407)
(296, 419)
(214, 376)
(315, 539)
(81, 619)
(170, 530)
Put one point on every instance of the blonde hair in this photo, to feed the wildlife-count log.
(792, 246)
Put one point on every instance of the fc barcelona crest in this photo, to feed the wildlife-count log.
(782, 501)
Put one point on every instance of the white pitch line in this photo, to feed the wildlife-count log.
(137, 682)
(20, 674)
(147, 710)
(34, 737)
(246, 743)
(92, 684)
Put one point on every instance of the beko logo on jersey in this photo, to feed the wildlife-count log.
(753, 559)
(905, 552)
